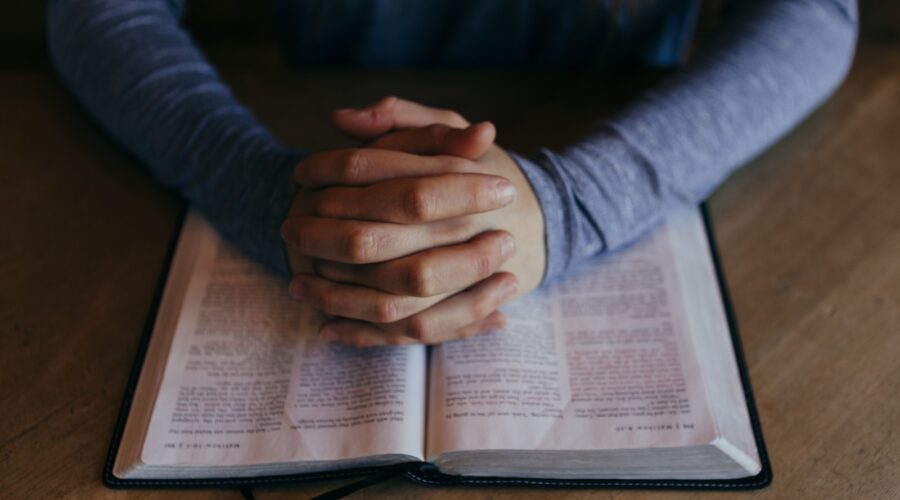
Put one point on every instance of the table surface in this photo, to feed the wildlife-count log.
(809, 234)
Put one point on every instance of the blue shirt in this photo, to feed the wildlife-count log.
(138, 72)
(573, 33)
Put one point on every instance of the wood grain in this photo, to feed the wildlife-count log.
(809, 234)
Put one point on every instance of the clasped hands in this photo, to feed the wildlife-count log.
(417, 236)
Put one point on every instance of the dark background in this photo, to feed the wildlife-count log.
(250, 22)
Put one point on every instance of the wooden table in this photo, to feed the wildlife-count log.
(809, 235)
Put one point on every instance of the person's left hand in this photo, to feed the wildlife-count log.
(448, 289)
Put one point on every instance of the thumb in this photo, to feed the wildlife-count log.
(470, 142)
(391, 113)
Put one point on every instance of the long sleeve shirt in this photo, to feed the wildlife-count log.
(136, 69)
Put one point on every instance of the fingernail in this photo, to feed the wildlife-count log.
(510, 287)
(505, 192)
(507, 247)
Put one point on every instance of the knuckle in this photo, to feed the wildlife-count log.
(483, 264)
(418, 329)
(361, 245)
(387, 310)
(355, 164)
(420, 280)
(418, 204)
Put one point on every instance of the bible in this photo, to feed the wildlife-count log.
(626, 373)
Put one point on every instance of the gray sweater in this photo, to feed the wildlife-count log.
(137, 71)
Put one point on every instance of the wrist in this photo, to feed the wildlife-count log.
(544, 195)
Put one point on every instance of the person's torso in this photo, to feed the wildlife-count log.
(567, 33)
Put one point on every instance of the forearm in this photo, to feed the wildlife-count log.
(138, 72)
(773, 64)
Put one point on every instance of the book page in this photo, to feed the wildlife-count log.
(603, 360)
(247, 382)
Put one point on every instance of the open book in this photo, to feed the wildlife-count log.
(624, 371)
